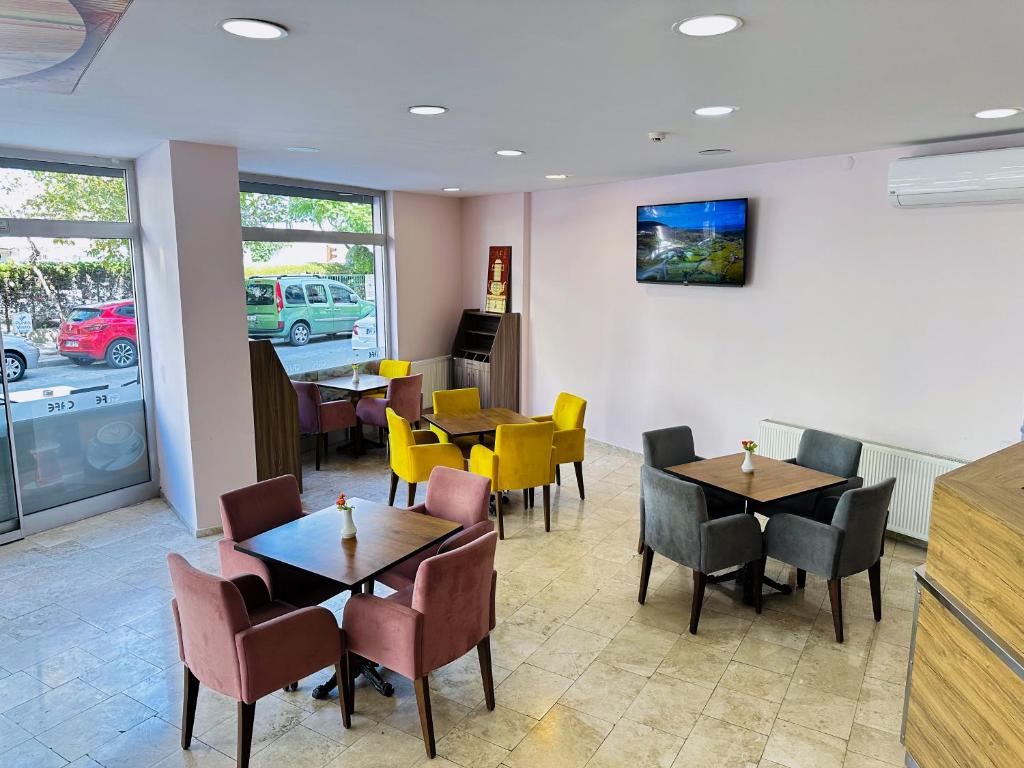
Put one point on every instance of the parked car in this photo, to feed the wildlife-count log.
(104, 331)
(298, 307)
(19, 356)
(364, 333)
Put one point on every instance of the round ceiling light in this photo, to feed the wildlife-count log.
(557, 176)
(428, 109)
(452, 189)
(714, 152)
(510, 152)
(997, 112)
(303, 149)
(708, 26)
(714, 111)
(254, 29)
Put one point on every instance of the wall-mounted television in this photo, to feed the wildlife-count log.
(700, 243)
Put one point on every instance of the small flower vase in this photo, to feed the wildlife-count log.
(348, 525)
(355, 374)
(748, 462)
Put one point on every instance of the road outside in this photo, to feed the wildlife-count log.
(56, 371)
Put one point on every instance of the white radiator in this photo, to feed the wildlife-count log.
(436, 375)
(915, 473)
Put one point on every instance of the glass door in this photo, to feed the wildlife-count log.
(10, 519)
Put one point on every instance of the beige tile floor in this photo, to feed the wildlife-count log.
(89, 674)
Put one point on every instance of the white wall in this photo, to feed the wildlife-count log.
(191, 237)
(899, 326)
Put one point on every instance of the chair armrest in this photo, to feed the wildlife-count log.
(424, 437)
(384, 631)
(549, 417)
(465, 536)
(286, 649)
(835, 492)
(423, 459)
(235, 563)
(805, 543)
(729, 541)
(255, 591)
(484, 461)
(790, 461)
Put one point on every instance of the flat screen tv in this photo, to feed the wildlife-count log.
(702, 243)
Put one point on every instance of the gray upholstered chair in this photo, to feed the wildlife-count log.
(851, 544)
(824, 452)
(679, 528)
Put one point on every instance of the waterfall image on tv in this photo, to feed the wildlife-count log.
(701, 243)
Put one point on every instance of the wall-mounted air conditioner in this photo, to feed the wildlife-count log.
(992, 176)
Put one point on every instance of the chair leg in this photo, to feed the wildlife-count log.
(483, 651)
(700, 581)
(426, 719)
(412, 495)
(558, 474)
(875, 579)
(380, 435)
(532, 498)
(246, 715)
(345, 692)
(645, 574)
(835, 595)
(501, 517)
(526, 498)
(393, 490)
(188, 708)
(579, 477)
(801, 578)
(547, 508)
(368, 587)
(316, 440)
(756, 575)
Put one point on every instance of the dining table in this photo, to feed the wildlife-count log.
(475, 423)
(385, 537)
(772, 480)
(367, 383)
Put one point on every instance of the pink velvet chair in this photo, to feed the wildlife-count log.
(318, 418)
(432, 622)
(404, 397)
(257, 508)
(234, 639)
(451, 495)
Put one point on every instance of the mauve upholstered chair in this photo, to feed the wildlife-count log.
(234, 639)
(453, 495)
(257, 508)
(318, 418)
(404, 397)
(679, 528)
(438, 618)
(851, 544)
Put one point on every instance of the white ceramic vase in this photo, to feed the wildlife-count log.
(748, 462)
(348, 526)
(355, 375)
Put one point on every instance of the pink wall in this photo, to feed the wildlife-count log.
(899, 326)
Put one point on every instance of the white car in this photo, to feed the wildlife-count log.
(364, 333)
(19, 356)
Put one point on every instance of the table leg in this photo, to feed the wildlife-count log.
(360, 667)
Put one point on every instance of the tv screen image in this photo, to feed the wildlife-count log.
(703, 243)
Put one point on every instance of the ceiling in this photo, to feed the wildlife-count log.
(578, 84)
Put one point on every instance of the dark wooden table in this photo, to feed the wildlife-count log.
(386, 536)
(479, 423)
(368, 383)
(772, 480)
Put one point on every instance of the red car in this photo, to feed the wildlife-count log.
(101, 332)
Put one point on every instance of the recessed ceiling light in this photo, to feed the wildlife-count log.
(708, 26)
(303, 149)
(557, 176)
(997, 112)
(510, 152)
(452, 189)
(714, 152)
(428, 109)
(254, 29)
(714, 111)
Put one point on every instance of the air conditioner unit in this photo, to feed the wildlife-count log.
(992, 176)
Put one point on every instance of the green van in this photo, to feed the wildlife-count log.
(297, 307)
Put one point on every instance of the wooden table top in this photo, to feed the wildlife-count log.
(367, 383)
(479, 422)
(385, 537)
(771, 480)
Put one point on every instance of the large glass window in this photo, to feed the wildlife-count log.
(71, 337)
(314, 268)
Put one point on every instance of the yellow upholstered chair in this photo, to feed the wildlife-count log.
(522, 458)
(414, 454)
(392, 369)
(570, 435)
(447, 401)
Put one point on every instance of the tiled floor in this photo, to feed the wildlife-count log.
(585, 676)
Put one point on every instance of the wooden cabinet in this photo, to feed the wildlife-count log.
(485, 354)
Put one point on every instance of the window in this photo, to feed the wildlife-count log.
(303, 241)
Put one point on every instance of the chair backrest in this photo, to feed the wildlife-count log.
(400, 436)
(524, 454)
(674, 512)
(453, 592)
(256, 508)
(405, 396)
(392, 369)
(457, 496)
(862, 514)
(454, 400)
(569, 411)
(208, 612)
(668, 447)
(309, 406)
(830, 453)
